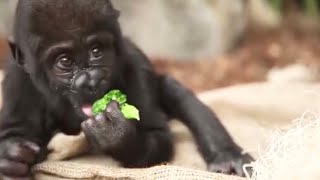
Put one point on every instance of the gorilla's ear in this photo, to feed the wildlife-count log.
(16, 52)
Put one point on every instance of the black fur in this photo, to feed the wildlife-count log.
(43, 94)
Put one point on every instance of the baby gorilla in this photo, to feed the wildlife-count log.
(66, 54)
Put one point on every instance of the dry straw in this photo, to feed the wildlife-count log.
(292, 153)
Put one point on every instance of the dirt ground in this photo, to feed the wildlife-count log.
(258, 52)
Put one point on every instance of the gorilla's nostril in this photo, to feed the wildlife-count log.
(96, 73)
(81, 80)
(93, 83)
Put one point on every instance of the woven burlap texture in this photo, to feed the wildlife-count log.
(165, 172)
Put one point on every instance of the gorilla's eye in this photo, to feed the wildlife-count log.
(96, 52)
(64, 61)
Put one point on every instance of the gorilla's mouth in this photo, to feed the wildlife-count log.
(83, 102)
(87, 110)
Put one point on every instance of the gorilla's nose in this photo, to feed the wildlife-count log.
(81, 80)
(96, 74)
(88, 81)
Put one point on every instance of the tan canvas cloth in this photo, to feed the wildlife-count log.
(83, 171)
(248, 112)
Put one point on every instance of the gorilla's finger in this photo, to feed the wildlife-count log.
(249, 171)
(21, 154)
(34, 147)
(101, 119)
(90, 123)
(238, 165)
(238, 169)
(102, 124)
(13, 168)
(113, 112)
(87, 126)
(224, 168)
(90, 131)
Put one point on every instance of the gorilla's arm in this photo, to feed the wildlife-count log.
(218, 149)
(23, 131)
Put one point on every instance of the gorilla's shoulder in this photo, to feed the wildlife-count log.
(135, 54)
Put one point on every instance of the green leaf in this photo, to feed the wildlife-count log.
(130, 112)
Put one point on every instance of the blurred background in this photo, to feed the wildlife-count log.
(209, 44)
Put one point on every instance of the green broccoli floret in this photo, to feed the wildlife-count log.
(128, 111)
(115, 95)
(99, 106)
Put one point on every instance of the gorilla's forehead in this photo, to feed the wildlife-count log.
(56, 16)
(69, 15)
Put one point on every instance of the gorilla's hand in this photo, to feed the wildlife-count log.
(109, 130)
(16, 158)
(230, 163)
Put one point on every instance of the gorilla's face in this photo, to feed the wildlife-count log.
(80, 68)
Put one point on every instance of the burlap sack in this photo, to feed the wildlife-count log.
(84, 171)
(247, 111)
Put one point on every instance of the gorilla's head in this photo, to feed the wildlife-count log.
(70, 48)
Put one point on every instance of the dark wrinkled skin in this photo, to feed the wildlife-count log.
(68, 53)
